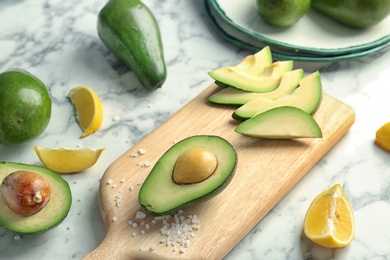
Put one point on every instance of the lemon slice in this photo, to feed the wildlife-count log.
(89, 109)
(68, 160)
(329, 220)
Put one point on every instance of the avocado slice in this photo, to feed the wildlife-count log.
(52, 213)
(244, 77)
(232, 96)
(306, 97)
(284, 122)
(162, 194)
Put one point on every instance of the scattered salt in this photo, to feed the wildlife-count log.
(152, 247)
(116, 118)
(109, 181)
(114, 219)
(17, 237)
(142, 151)
(122, 180)
(131, 188)
(140, 215)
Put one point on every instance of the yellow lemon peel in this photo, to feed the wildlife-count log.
(88, 107)
(68, 160)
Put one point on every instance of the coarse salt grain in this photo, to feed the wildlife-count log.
(116, 118)
(114, 218)
(109, 181)
(133, 154)
(142, 151)
(131, 188)
(140, 215)
(152, 247)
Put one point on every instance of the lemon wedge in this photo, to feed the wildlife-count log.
(329, 220)
(68, 160)
(88, 107)
(382, 137)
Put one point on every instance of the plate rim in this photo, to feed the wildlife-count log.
(335, 51)
(277, 55)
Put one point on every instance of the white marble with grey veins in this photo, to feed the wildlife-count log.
(57, 41)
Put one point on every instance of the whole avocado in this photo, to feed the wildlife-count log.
(130, 31)
(25, 107)
(282, 13)
(354, 13)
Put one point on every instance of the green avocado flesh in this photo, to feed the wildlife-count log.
(232, 96)
(306, 97)
(281, 123)
(268, 80)
(160, 195)
(51, 215)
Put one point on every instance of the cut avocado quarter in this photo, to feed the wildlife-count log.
(284, 122)
(306, 97)
(192, 170)
(232, 96)
(267, 80)
(50, 215)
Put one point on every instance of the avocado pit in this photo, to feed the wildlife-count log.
(25, 193)
(194, 165)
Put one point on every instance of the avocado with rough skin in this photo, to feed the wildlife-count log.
(50, 215)
(192, 170)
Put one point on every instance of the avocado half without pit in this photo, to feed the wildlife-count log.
(191, 171)
(32, 198)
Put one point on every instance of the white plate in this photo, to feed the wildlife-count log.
(243, 41)
(313, 33)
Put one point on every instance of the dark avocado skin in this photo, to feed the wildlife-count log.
(354, 13)
(130, 31)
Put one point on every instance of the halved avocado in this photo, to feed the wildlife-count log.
(306, 97)
(232, 96)
(52, 213)
(162, 194)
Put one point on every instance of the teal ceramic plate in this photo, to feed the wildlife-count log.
(313, 34)
(280, 53)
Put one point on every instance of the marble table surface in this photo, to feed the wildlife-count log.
(57, 41)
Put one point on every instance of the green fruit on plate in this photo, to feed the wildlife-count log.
(282, 13)
(130, 31)
(25, 107)
(354, 13)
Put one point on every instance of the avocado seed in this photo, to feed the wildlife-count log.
(25, 193)
(193, 166)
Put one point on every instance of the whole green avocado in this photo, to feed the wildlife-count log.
(354, 13)
(130, 31)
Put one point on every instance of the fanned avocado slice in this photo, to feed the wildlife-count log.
(306, 97)
(50, 215)
(163, 192)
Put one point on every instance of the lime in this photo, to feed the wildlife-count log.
(282, 13)
(25, 107)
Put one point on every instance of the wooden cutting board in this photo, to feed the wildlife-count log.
(266, 171)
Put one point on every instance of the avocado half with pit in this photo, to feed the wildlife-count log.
(19, 182)
(192, 170)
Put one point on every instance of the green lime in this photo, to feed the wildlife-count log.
(282, 13)
(25, 107)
